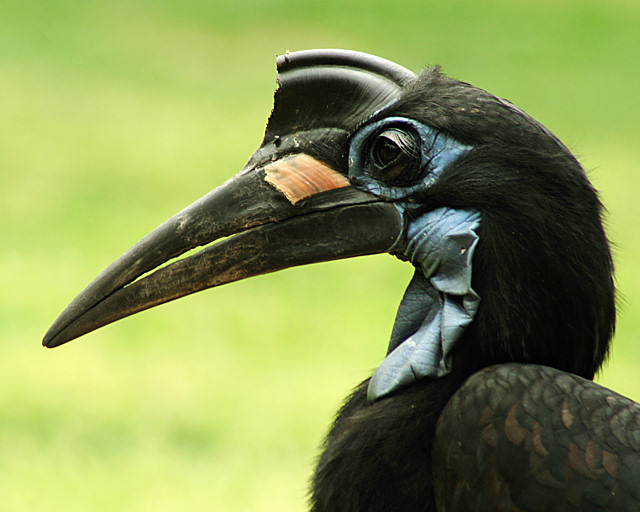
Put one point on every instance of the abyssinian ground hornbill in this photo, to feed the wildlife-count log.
(484, 400)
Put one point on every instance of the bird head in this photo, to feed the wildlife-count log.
(362, 156)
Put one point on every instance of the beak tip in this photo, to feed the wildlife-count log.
(47, 341)
(53, 339)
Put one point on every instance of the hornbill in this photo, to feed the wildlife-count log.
(485, 399)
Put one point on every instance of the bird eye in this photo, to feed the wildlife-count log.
(394, 156)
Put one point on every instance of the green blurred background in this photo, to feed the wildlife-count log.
(116, 114)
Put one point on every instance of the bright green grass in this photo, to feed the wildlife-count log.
(114, 115)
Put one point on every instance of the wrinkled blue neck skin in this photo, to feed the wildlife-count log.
(439, 302)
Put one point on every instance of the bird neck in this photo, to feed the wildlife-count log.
(377, 455)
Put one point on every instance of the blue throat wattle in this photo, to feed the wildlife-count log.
(439, 302)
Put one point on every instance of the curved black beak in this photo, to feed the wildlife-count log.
(291, 212)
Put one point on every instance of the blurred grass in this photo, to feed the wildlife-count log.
(115, 115)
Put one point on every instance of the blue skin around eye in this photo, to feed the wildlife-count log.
(439, 302)
(437, 151)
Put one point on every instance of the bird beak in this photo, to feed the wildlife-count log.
(292, 211)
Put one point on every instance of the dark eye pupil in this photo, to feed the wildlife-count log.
(385, 151)
(394, 156)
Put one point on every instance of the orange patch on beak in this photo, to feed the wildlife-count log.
(301, 176)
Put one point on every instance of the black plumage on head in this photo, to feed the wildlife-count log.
(543, 265)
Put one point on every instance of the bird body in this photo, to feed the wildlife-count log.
(529, 437)
(484, 400)
(512, 438)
